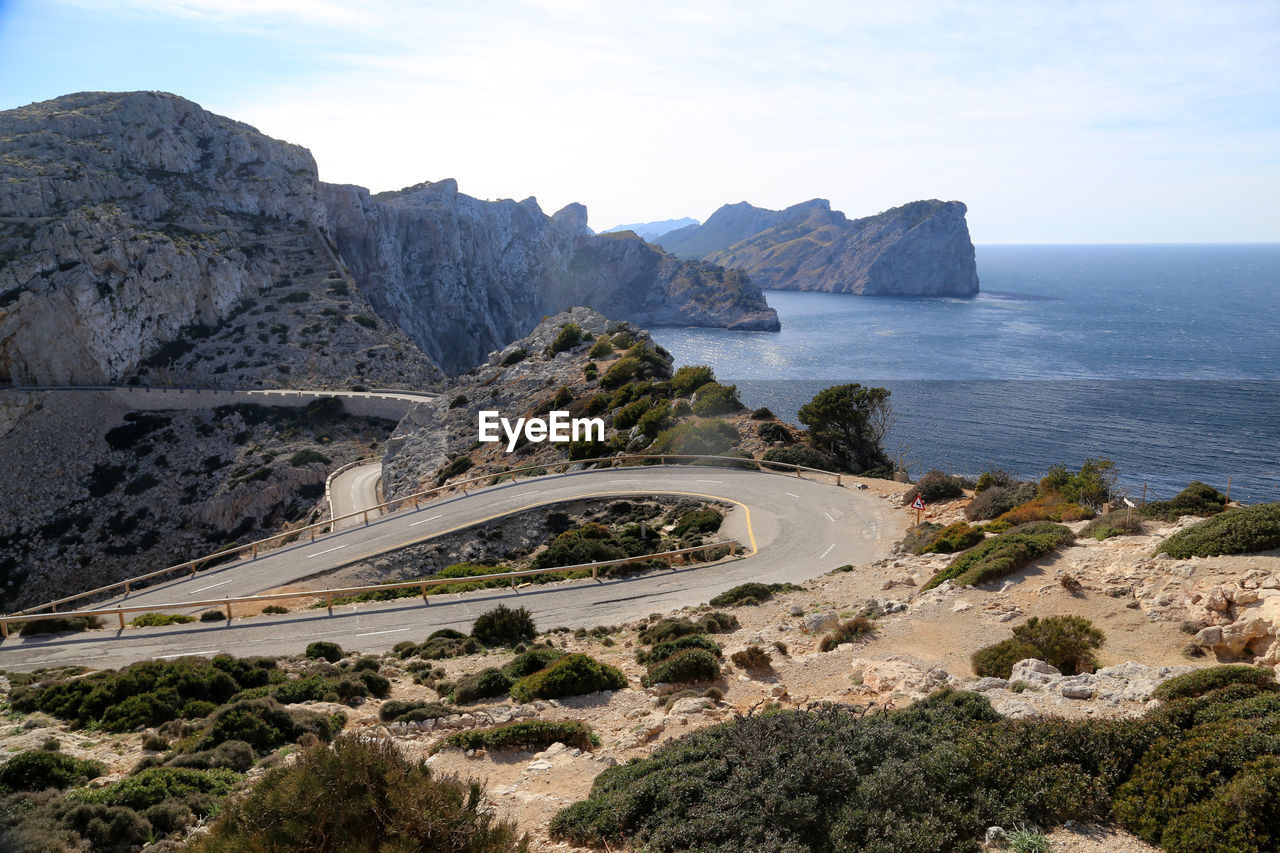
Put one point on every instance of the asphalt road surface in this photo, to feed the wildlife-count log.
(797, 529)
(353, 490)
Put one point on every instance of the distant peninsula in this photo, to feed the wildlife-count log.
(919, 249)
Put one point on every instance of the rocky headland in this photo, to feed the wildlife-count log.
(919, 249)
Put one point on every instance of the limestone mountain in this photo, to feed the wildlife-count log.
(143, 238)
(918, 249)
(651, 231)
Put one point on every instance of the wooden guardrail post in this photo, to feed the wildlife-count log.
(328, 601)
(424, 593)
(595, 572)
(838, 479)
(120, 614)
(366, 518)
(4, 628)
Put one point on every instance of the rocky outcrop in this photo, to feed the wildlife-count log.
(143, 238)
(651, 231)
(919, 249)
(464, 277)
(141, 235)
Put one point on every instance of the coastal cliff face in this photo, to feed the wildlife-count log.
(919, 249)
(145, 239)
(464, 277)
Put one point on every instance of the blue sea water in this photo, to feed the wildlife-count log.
(1165, 359)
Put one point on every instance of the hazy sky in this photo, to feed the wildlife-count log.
(1055, 121)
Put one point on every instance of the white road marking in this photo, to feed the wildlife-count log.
(711, 481)
(375, 633)
(210, 586)
(188, 654)
(793, 494)
(425, 520)
(828, 551)
(330, 551)
(828, 515)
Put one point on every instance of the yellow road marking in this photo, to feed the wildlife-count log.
(611, 494)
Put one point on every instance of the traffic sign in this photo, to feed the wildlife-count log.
(918, 503)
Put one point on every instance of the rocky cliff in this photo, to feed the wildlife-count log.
(464, 277)
(145, 239)
(918, 249)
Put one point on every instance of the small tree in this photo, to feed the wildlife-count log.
(850, 422)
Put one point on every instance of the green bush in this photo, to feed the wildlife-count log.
(1003, 555)
(484, 684)
(846, 632)
(690, 378)
(457, 466)
(233, 755)
(157, 784)
(571, 675)
(1092, 484)
(568, 338)
(529, 735)
(670, 628)
(527, 663)
(38, 770)
(935, 486)
(630, 414)
(1120, 522)
(995, 501)
(1196, 499)
(401, 711)
(361, 795)
(1066, 642)
(654, 421)
(772, 432)
(59, 625)
(600, 349)
(307, 456)
(214, 615)
(950, 539)
(806, 457)
(696, 522)
(332, 652)
(621, 372)
(997, 659)
(1245, 530)
(156, 620)
(664, 650)
(716, 399)
(689, 665)
(264, 724)
(1192, 684)
(751, 593)
(504, 626)
(696, 438)
(516, 356)
(274, 609)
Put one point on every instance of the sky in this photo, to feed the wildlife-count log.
(1055, 122)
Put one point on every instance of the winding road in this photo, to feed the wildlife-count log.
(794, 529)
(353, 490)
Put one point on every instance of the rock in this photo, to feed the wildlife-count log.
(995, 835)
(796, 610)
(920, 249)
(1034, 671)
(1244, 596)
(820, 623)
(690, 705)
(1211, 636)
(988, 683)
(1077, 690)
(960, 606)
(539, 765)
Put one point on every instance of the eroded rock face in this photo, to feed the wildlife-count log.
(464, 277)
(919, 249)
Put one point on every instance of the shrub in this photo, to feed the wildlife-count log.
(997, 479)
(274, 609)
(630, 414)
(846, 632)
(400, 711)
(664, 650)
(332, 652)
(1003, 555)
(1092, 484)
(230, 755)
(654, 421)
(516, 356)
(751, 593)
(1119, 522)
(571, 675)
(1245, 530)
(527, 663)
(1201, 681)
(689, 665)
(997, 500)
(997, 659)
(690, 378)
(716, 399)
(484, 684)
(935, 486)
(307, 456)
(600, 349)
(447, 634)
(806, 457)
(1196, 499)
(360, 795)
(1046, 508)
(156, 784)
(377, 685)
(155, 620)
(950, 539)
(669, 629)
(696, 438)
(697, 521)
(38, 770)
(264, 724)
(772, 432)
(529, 735)
(59, 625)
(459, 465)
(752, 657)
(214, 615)
(620, 372)
(568, 338)
(503, 626)
(1066, 642)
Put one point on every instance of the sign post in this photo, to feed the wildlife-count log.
(918, 506)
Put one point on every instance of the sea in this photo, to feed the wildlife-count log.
(1164, 359)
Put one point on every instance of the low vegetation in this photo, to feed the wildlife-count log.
(846, 632)
(934, 776)
(1066, 642)
(1196, 499)
(571, 675)
(504, 626)
(1002, 555)
(529, 735)
(154, 620)
(1244, 530)
(751, 594)
(935, 486)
